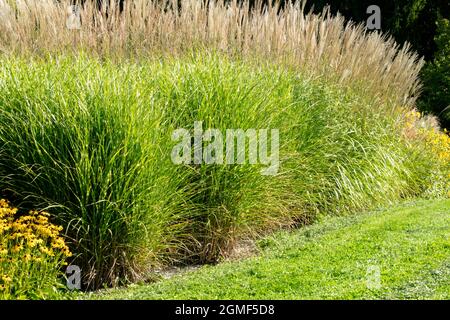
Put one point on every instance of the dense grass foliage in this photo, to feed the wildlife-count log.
(338, 258)
(90, 141)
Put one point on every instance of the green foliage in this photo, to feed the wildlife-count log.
(332, 259)
(436, 76)
(90, 141)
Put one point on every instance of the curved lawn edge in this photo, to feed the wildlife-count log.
(407, 245)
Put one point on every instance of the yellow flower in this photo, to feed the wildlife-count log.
(47, 251)
(32, 243)
(17, 248)
(28, 238)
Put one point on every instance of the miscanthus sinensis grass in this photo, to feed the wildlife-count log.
(32, 253)
(89, 140)
(88, 137)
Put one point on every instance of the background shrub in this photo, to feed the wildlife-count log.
(436, 77)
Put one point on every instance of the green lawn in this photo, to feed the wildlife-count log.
(337, 258)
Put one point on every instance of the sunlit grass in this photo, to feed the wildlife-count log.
(89, 140)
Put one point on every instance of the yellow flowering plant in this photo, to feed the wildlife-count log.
(32, 253)
(437, 143)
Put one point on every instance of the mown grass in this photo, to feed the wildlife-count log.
(409, 244)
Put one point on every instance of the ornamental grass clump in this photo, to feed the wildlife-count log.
(32, 253)
(316, 44)
(90, 141)
(87, 116)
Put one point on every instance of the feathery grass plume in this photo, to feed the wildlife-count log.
(321, 44)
